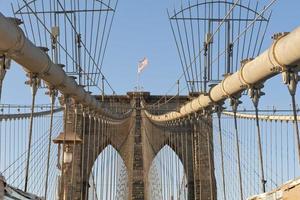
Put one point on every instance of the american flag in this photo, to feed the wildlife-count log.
(142, 64)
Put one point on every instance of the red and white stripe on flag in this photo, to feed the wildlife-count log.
(142, 64)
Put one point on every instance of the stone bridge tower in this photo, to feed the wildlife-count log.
(138, 140)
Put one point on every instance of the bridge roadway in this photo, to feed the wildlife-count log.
(138, 140)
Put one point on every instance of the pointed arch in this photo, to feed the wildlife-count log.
(167, 178)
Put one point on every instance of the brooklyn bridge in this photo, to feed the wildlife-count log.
(208, 112)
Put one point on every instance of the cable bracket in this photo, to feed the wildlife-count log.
(255, 93)
(291, 78)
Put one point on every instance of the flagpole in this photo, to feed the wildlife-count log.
(137, 81)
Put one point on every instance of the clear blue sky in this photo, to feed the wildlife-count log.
(141, 28)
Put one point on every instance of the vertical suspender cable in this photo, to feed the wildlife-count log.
(170, 164)
(209, 149)
(94, 158)
(255, 94)
(291, 79)
(97, 152)
(178, 160)
(168, 169)
(34, 83)
(107, 169)
(194, 160)
(181, 123)
(66, 116)
(87, 178)
(219, 112)
(52, 94)
(199, 125)
(102, 158)
(110, 161)
(263, 181)
(82, 152)
(74, 148)
(234, 103)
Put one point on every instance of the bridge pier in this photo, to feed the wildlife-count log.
(203, 152)
(133, 153)
(138, 176)
(193, 145)
(139, 141)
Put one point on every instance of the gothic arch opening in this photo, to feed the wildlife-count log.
(108, 177)
(166, 177)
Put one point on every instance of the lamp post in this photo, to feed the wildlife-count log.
(69, 139)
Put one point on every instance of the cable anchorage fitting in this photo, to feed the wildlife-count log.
(255, 93)
(52, 92)
(235, 102)
(34, 82)
(291, 78)
(219, 108)
(206, 113)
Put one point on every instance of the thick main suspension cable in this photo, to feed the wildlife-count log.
(261, 68)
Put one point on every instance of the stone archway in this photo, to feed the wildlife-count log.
(168, 172)
(108, 176)
(191, 140)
